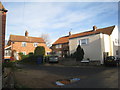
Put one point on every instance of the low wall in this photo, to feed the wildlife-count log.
(73, 62)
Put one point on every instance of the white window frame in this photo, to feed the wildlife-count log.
(7, 53)
(24, 53)
(35, 44)
(58, 46)
(86, 41)
(24, 44)
(116, 41)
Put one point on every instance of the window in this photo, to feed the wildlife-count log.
(58, 46)
(13, 42)
(24, 53)
(83, 41)
(23, 44)
(116, 52)
(59, 52)
(7, 52)
(35, 44)
(116, 41)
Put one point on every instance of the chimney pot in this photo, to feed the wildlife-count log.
(94, 28)
(70, 33)
(26, 33)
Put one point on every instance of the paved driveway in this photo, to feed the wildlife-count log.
(41, 76)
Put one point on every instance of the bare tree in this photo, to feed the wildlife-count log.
(46, 39)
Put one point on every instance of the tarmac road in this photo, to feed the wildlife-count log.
(90, 76)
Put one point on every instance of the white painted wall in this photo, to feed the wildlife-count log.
(114, 41)
(106, 43)
(92, 49)
(98, 44)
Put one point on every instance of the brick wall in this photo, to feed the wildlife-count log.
(2, 32)
(64, 47)
(28, 48)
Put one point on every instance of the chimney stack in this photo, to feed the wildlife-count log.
(94, 28)
(26, 33)
(69, 33)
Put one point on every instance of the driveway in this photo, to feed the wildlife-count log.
(45, 76)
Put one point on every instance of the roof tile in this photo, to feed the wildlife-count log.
(26, 39)
(65, 39)
(107, 30)
(62, 40)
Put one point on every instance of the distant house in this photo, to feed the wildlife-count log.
(96, 43)
(61, 46)
(24, 44)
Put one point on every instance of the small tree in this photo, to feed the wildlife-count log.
(39, 51)
(46, 38)
(79, 54)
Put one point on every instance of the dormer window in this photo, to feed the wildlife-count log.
(24, 44)
(35, 44)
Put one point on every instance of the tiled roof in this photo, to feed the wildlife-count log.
(62, 40)
(25, 39)
(107, 30)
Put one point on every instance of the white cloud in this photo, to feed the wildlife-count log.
(41, 17)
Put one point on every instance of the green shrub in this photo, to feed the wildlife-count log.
(39, 51)
(31, 54)
(79, 54)
(29, 59)
(23, 56)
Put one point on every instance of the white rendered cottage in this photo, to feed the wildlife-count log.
(97, 43)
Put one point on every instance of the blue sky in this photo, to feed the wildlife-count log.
(57, 18)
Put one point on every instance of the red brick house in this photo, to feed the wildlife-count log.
(61, 46)
(25, 44)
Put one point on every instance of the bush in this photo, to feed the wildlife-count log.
(29, 59)
(31, 54)
(39, 51)
(79, 54)
(23, 56)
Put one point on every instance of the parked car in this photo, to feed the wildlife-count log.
(117, 60)
(110, 61)
(53, 59)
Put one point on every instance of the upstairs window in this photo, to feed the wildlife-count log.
(59, 46)
(24, 44)
(83, 41)
(116, 41)
(35, 44)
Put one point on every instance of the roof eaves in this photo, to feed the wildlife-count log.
(84, 35)
(60, 43)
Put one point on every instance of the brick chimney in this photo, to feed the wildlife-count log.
(94, 28)
(69, 33)
(26, 33)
